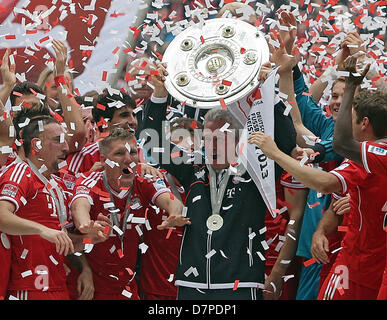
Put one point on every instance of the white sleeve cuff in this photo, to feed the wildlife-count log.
(158, 100)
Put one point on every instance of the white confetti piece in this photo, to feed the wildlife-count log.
(196, 198)
(262, 230)
(112, 249)
(171, 276)
(126, 293)
(286, 278)
(210, 254)
(53, 260)
(252, 235)
(335, 250)
(264, 245)
(279, 246)
(118, 230)
(223, 255)
(88, 247)
(143, 247)
(138, 229)
(26, 273)
(290, 236)
(24, 254)
(184, 212)
(261, 256)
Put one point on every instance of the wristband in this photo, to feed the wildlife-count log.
(60, 80)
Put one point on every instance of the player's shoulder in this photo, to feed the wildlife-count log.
(16, 170)
(376, 147)
(90, 178)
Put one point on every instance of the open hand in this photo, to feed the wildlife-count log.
(174, 221)
(354, 77)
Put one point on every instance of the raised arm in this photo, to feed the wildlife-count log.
(312, 178)
(9, 80)
(286, 62)
(72, 114)
(352, 44)
(343, 142)
(8, 77)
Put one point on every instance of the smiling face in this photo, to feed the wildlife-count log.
(336, 98)
(125, 118)
(120, 163)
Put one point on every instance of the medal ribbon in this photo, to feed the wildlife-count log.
(114, 209)
(59, 204)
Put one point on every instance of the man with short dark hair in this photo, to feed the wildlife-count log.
(118, 192)
(33, 212)
(358, 269)
(111, 111)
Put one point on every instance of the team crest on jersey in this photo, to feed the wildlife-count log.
(9, 190)
(377, 150)
(159, 184)
(69, 181)
(135, 204)
(82, 190)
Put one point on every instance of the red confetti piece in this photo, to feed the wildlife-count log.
(104, 75)
(172, 196)
(169, 233)
(226, 83)
(236, 283)
(10, 37)
(342, 228)
(120, 254)
(106, 230)
(62, 224)
(202, 39)
(313, 205)
(100, 106)
(44, 39)
(309, 262)
(31, 31)
(222, 103)
(86, 241)
(340, 290)
(129, 271)
(175, 154)
(243, 50)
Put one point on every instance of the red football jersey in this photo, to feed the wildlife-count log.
(374, 156)
(158, 265)
(82, 161)
(364, 245)
(31, 254)
(113, 269)
(5, 263)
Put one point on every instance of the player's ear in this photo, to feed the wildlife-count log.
(36, 145)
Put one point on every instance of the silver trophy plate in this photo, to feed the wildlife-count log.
(217, 59)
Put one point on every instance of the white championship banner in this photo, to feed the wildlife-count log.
(257, 114)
